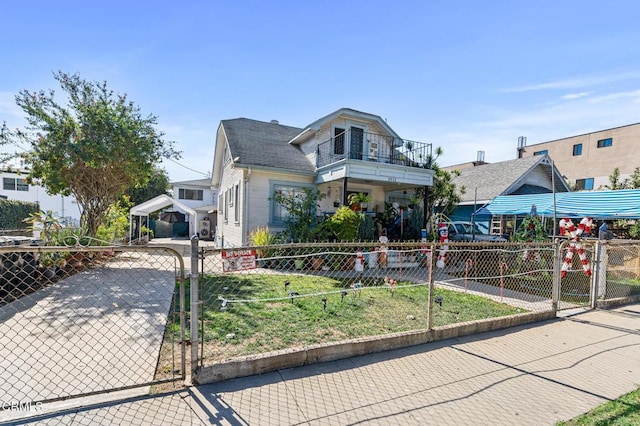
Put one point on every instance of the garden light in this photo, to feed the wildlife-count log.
(438, 300)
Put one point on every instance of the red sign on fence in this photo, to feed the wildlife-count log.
(238, 260)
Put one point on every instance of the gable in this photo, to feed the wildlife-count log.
(485, 182)
(343, 117)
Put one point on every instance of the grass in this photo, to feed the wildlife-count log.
(624, 411)
(260, 315)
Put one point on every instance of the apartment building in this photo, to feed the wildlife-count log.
(588, 160)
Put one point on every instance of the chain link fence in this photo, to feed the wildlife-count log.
(620, 276)
(271, 298)
(76, 321)
(578, 264)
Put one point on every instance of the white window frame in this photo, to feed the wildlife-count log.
(279, 220)
(237, 204)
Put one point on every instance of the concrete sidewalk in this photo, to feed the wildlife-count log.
(530, 375)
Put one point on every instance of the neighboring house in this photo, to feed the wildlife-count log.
(588, 160)
(200, 196)
(344, 152)
(485, 181)
(15, 187)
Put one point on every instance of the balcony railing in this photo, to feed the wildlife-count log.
(358, 145)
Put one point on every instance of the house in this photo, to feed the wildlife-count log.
(15, 187)
(199, 195)
(486, 181)
(344, 152)
(589, 159)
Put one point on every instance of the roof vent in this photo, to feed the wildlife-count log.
(522, 142)
(480, 158)
(274, 122)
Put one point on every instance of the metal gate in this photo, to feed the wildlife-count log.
(576, 274)
(77, 321)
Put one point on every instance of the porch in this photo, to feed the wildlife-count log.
(356, 161)
(355, 144)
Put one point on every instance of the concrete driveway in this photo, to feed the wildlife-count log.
(99, 329)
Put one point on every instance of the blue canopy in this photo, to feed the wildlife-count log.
(620, 204)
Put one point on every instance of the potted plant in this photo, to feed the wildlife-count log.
(359, 201)
(262, 236)
(48, 264)
(316, 263)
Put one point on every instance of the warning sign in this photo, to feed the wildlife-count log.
(238, 260)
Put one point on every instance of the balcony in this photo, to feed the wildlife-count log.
(371, 147)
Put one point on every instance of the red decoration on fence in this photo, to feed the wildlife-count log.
(575, 233)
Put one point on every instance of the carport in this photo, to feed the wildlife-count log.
(158, 203)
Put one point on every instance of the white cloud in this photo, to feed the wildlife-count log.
(571, 96)
(579, 81)
(545, 122)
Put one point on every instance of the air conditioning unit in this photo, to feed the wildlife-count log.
(205, 229)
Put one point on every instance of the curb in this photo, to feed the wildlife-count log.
(288, 358)
(614, 303)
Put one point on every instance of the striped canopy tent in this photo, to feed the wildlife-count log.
(620, 204)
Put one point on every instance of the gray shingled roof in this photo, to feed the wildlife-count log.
(495, 178)
(258, 143)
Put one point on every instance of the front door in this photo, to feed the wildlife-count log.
(357, 143)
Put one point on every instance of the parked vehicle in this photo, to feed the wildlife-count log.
(467, 231)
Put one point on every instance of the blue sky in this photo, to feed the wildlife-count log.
(463, 75)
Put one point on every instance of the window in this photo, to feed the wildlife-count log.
(9, 184)
(577, 149)
(338, 141)
(279, 214)
(584, 184)
(237, 208)
(220, 203)
(603, 143)
(543, 152)
(226, 206)
(190, 194)
(12, 184)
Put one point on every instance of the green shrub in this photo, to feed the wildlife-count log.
(262, 236)
(367, 229)
(345, 224)
(13, 213)
(115, 227)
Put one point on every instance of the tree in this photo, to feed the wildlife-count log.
(615, 182)
(444, 195)
(96, 147)
(158, 184)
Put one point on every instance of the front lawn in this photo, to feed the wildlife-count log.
(249, 314)
(624, 411)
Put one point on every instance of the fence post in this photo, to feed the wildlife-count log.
(557, 265)
(431, 280)
(194, 297)
(600, 272)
